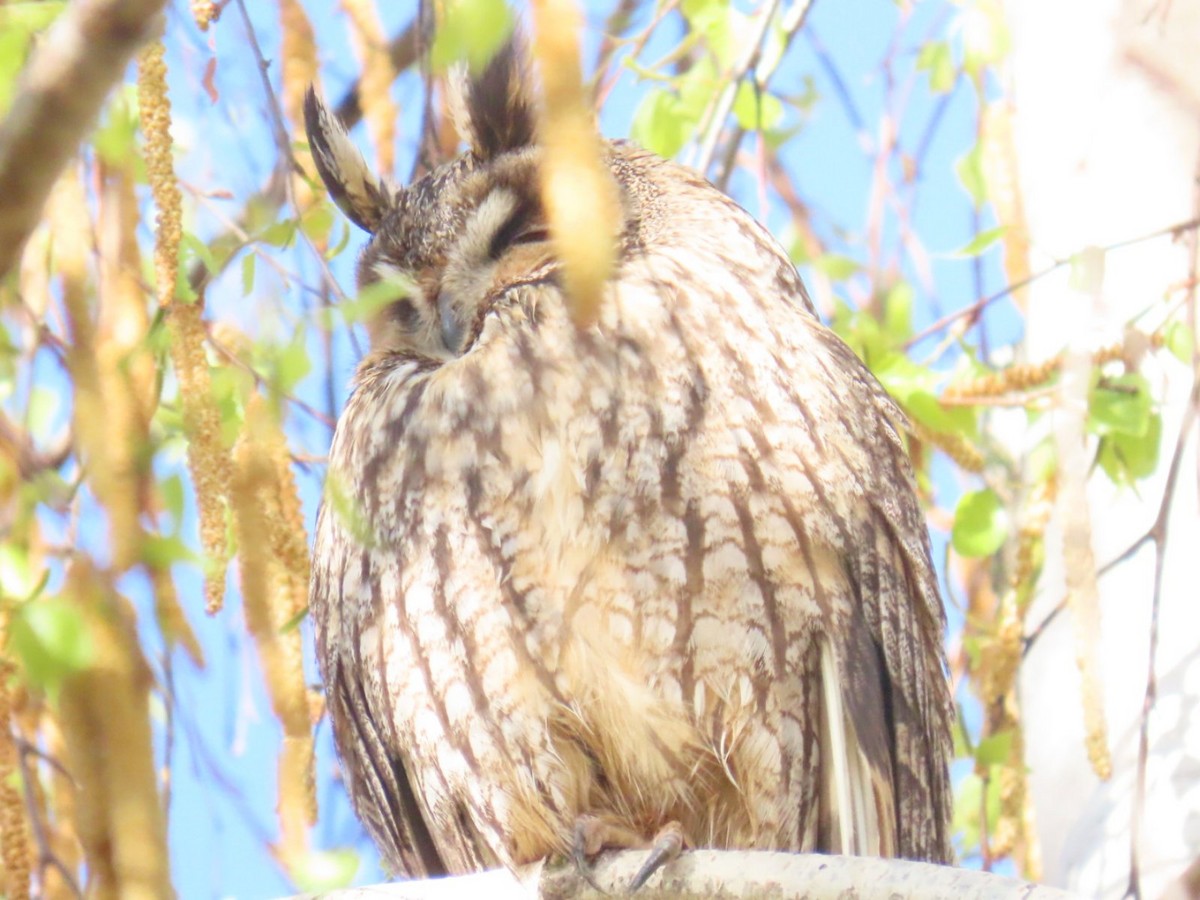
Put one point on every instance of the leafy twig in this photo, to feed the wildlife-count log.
(719, 110)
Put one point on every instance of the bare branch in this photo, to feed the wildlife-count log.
(726, 873)
(61, 92)
(972, 311)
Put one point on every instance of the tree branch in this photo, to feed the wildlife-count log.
(725, 874)
(61, 92)
(972, 310)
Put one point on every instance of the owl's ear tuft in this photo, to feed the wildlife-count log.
(495, 110)
(357, 191)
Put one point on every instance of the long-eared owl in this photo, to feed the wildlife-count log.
(665, 571)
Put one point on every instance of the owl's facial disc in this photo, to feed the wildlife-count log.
(503, 241)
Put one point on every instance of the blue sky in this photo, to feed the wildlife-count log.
(224, 751)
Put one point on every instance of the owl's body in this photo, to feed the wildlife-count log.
(669, 568)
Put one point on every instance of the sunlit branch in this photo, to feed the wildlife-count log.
(718, 111)
(793, 21)
(725, 873)
(61, 91)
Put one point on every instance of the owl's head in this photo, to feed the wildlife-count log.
(459, 239)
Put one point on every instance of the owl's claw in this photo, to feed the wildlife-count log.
(587, 841)
(667, 846)
(595, 833)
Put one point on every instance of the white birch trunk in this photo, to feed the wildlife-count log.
(1108, 136)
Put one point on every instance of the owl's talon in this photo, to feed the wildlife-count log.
(667, 846)
(584, 845)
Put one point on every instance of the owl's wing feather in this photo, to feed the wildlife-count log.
(904, 616)
(381, 778)
(385, 795)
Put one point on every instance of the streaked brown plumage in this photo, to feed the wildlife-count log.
(668, 569)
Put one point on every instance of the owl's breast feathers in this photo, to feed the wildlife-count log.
(669, 569)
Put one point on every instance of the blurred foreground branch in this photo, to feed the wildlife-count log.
(83, 56)
(726, 874)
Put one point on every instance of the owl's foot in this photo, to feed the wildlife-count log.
(595, 833)
(667, 846)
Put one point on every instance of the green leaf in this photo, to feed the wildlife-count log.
(42, 412)
(318, 221)
(969, 169)
(1180, 341)
(915, 387)
(925, 407)
(17, 579)
(279, 234)
(231, 386)
(372, 299)
(862, 334)
(994, 749)
(836, 266)
(325, 870)
(292, 364)
(161, 551)
(51, 640)
(1127, 458)
(897, 312)
(717, 21)
(660, 124)
(756, 110)
(191, 247)
(248, 274)
(936, 59)
(981, 242)
(1121, 404)
(336, 250)
(985, 36)
(980, 524)
(348, 511)
(294, 622)
(1041, 463)
(696, 89)
(19, 22)
(472, 30)
(116, 138)
(29, 16)
(173, 495)
(968, 800)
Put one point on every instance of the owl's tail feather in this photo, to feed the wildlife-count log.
(856, 797)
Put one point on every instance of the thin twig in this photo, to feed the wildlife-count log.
(262, 381)
(47, 858)
(168, 669)
(32, 749)
(1158, 535)
(793, 21)
(267, 200)
(1151, 534)
(610, 42)
(973, 310)
(720, 109)
(839, 86)
(279, 127)
(283, 143)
